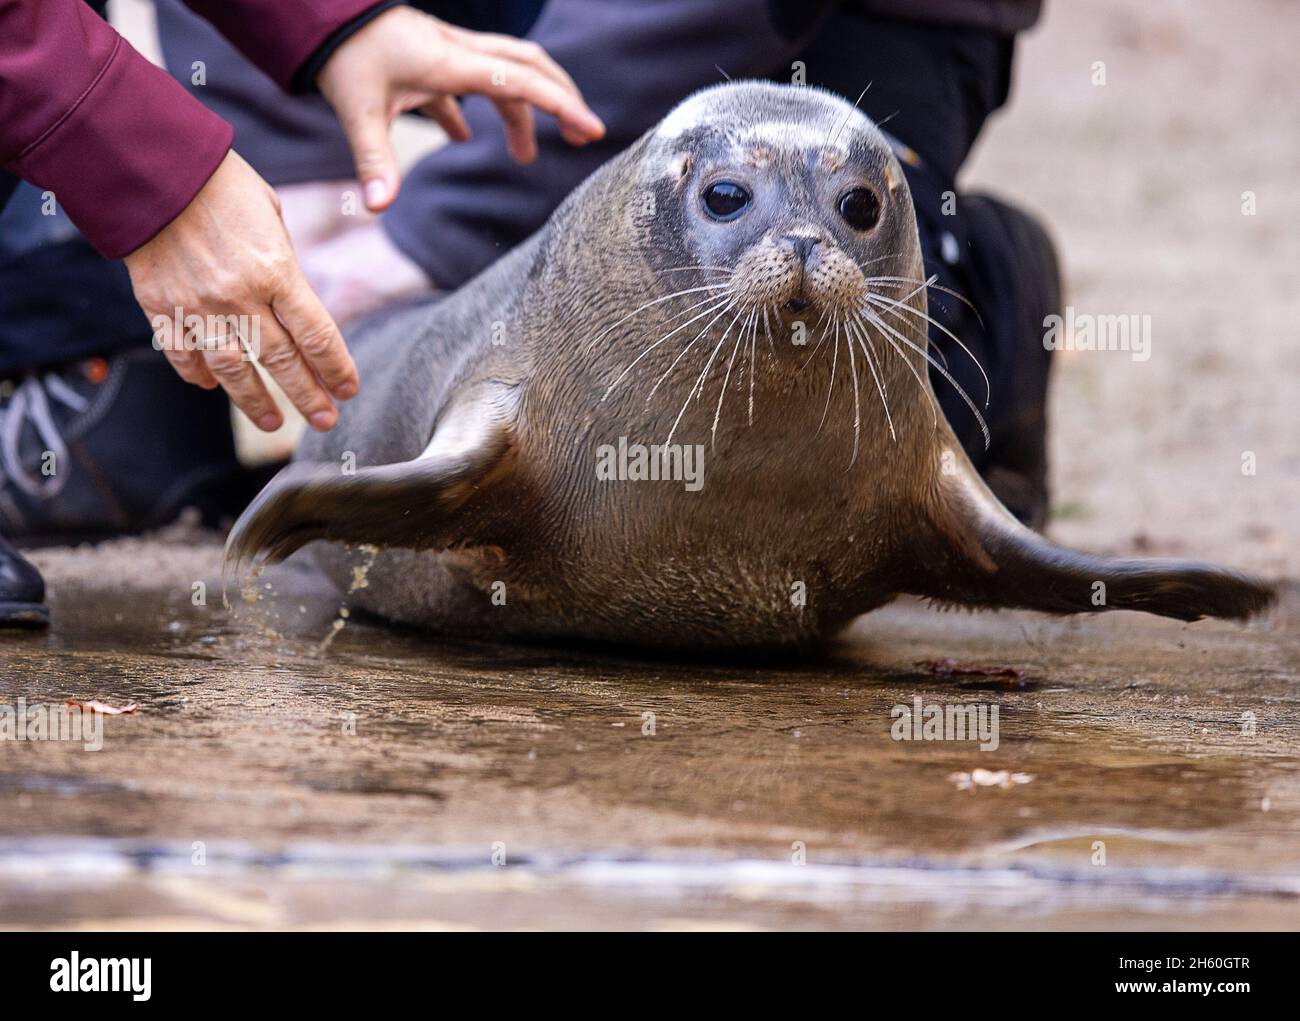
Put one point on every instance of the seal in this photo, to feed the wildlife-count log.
(693, 410)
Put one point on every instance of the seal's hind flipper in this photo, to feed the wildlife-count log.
(410, 504)
(982, 556)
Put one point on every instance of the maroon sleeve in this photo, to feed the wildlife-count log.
(123, 147)
(279, 35)
(120, 144)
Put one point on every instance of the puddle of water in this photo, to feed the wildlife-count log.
(241, 885)
(1132, 729)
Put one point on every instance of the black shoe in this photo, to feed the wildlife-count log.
(22, 591)
(1017, 284)
(1003, 265)
(99, 447)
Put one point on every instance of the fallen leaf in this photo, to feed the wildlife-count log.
(95, 706)
(955, 668)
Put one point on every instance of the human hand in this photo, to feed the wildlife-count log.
(224, 266)
(405, 60)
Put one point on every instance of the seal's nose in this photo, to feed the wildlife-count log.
(803, 245)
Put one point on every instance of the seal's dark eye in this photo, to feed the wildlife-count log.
(725, 200)
(860, 208)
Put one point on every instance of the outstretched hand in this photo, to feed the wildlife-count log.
(405, 60)
(221, 287)
(221, 283)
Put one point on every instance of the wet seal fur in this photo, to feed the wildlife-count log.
(832, 485)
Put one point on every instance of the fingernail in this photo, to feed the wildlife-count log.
(269, 422)
(322, 421)
(346, 391)
(376, 191)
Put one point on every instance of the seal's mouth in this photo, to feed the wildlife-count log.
(798, 276)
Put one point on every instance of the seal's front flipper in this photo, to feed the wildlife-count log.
(412, 504)
(982, 556)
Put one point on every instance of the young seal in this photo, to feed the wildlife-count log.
(743, 287)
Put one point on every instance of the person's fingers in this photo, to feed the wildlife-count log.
(234, 371)
(521, 138)
(316, 336)
(501, 79)
(190, 366)
(446, 111)
(365, 120)
(521, 51)
(280, 357)
(187, 362)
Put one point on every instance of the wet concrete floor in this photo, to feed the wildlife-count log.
(1146, 775)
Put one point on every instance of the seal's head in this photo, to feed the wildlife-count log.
(791, 191)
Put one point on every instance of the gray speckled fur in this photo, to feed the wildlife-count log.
(630, 561)
(783, 504)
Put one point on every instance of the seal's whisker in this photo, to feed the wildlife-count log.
(732, 303)
(934, 409)
(830, 390)
(722, 392)
(915, 290)
(682, 313)
(656, 301)
(826, 314)
(825, 335)
(944, 372)
(871, 363)
(871, 262)
(833, 137)
(857, 416)
(930, 283)
(890, 306)
(682, 269)
(904, 300)
(718, 303)
(698, 389)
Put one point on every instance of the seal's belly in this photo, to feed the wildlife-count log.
(676, 600)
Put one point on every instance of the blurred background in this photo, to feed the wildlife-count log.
(1142, 182)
